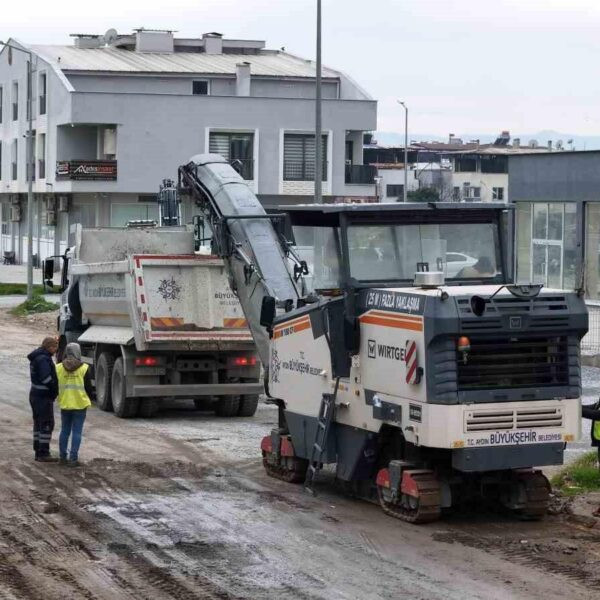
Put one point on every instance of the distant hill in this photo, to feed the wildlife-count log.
(580, 142)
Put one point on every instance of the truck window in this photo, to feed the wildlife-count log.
(464, 251)
(318, 246)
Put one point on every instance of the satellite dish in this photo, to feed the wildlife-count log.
(110, 36)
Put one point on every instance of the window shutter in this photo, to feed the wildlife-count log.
(219, 144)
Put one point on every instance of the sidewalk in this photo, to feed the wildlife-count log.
(18, 274)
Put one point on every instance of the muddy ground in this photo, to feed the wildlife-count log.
(179, 507)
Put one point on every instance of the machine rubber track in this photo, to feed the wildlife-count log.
(294, 472)
(424, 509)
(537, 492)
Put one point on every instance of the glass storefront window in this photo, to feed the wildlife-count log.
(547, 244)
(121, 214)
(592, 251)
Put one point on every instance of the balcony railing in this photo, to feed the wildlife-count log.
(362, 174)
(298, 170)
(244, 166)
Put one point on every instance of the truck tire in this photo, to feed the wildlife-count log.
(104, 371)
(227, 406)
(148, 408)
(248, 405)
(124, 407)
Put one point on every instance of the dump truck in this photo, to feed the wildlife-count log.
(427, 386)
(157, 320)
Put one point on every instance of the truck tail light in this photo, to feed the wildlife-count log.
(244, 361)
(146, 361)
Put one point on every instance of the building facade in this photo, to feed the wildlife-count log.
(114, 115)
(557, 221)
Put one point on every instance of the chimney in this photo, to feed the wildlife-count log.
(549, 145)
(451, 138)
(147, 40)
(87, 41)
(242, 79)
(517, 143)
(213, 42)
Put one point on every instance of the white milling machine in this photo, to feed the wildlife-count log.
(397, 347)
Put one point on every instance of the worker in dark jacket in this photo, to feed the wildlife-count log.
(592, 411)
(44, 389)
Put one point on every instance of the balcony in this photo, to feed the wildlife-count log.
(86, 170)
(244, 166)
(298, 170)
(360, 174)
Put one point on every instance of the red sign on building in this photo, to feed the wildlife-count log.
(87, 170)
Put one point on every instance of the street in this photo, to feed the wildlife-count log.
(180, 507)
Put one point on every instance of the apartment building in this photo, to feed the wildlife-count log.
(115, 114)
(459, 171)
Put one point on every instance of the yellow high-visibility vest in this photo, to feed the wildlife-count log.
(596, 431)
(71, 389)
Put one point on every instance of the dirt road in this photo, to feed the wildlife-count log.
(179, 507)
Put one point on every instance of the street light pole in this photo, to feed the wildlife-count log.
(29, 167)
(405, 149)
(318, 122)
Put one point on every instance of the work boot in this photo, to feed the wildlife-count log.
(73, 463)
(49, 459)
(62, 460)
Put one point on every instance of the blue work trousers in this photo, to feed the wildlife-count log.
(71, 426)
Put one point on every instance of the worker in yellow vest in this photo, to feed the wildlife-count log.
(74, 392)
(592, 412)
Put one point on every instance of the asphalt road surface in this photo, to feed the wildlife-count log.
(179, 507)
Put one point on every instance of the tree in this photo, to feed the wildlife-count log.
(424, 194)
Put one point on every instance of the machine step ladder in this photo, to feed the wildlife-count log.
(315, 464)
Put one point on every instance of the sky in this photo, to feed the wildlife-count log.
(460, 65)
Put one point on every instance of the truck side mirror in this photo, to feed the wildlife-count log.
(48, 270)
(267, 312)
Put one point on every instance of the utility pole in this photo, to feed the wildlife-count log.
(318, 122)
(29, 167)
(405, 149)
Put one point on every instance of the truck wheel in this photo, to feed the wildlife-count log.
(203, 403)
(148, 408)
(104, 371)
(248, 406)
(227, 406)
(124, 407)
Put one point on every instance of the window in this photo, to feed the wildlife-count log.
(15, 101)
(494, 164)
(497, 193)
(465, 165)
(237, 148)
(318, 246)
(5, 218)
(471, 193)
(592, 251)
(393, 252)
(121, 214)
(299, 157)
(394, 191)
(1, 102)
(547, 244)
(43, 90)
(14, 159)
(42, 156)
(0, 160)
(200, 88)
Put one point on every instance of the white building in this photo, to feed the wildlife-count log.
(114, 115)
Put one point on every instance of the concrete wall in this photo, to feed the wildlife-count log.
(556, 177)
(219, 85)
(157, 133)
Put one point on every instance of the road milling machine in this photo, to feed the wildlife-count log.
(397, 347)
